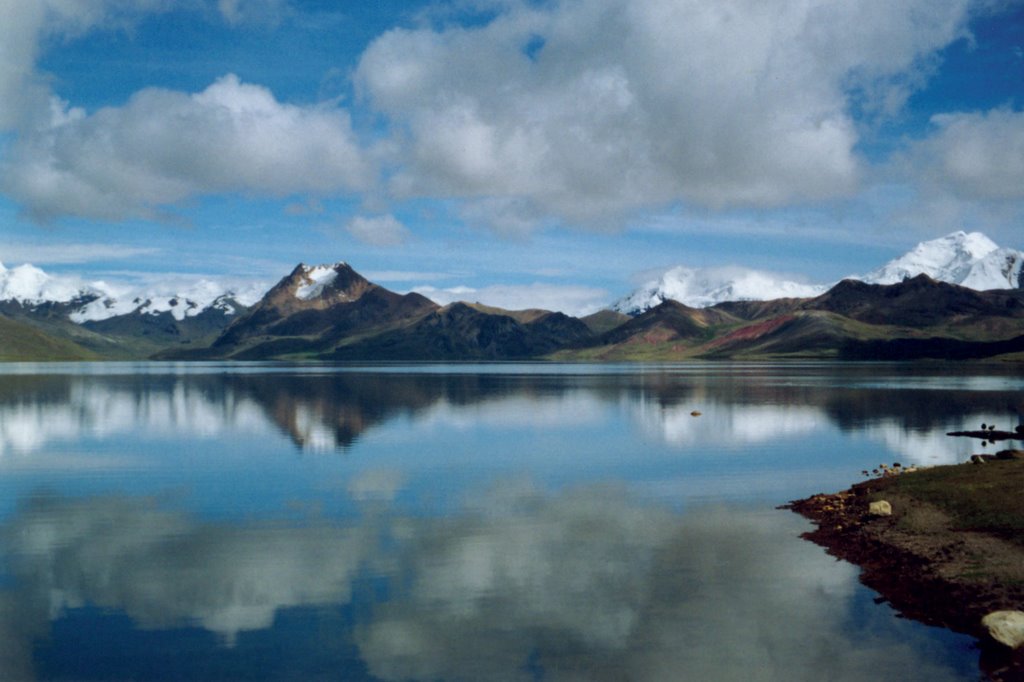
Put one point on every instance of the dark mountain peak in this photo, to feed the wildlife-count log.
(316, 287)
(856, 290)
(337, 282)
(670, 305)
(460, 309)
(916, 301)
(316, 307)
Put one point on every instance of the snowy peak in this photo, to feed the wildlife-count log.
(97, 301)
(334, 283)
(316, 287)
(28, 285)
(999, 269)
(704, 287)
(968, 259)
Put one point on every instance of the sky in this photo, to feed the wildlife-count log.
(524, 153)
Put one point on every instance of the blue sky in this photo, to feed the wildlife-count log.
(538, 153)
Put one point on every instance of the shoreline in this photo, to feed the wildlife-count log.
(931, 564)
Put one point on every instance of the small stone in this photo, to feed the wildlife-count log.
(1006, 627)
(880, 508)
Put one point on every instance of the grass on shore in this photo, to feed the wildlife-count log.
(978, 497)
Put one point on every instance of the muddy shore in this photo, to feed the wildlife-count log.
(950, 552)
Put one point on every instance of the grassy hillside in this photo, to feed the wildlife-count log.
(22, 342)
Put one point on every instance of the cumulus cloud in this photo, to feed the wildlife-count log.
(384, 230)
(603, 108)
(23, 93)
(976, 155)
(161, 147)
(165, 146)
(582, 112)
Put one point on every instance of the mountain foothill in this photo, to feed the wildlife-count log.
(914, 309)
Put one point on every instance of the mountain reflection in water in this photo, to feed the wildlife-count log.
(442, 522)
(323, 411)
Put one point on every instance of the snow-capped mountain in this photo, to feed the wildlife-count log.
(29, 285)
(969, 259)
(703, 287)
(97, 301)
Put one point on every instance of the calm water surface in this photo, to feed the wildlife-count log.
(459, 522)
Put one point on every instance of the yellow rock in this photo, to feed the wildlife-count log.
(1006, 627)
(880, 508)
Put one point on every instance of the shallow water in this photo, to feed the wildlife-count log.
(459, 522)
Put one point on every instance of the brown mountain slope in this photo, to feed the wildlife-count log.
(918, 318)
(917, 302)
(313, 309)
(334, 313)
(460, 331)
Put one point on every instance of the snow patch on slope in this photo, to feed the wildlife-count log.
(318, 278)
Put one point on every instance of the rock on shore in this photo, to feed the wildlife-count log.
(928, 563)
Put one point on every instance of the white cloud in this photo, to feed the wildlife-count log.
(164, 146)
(977, 155)
(384, 230)
(23, 94)
(629, 106)
(570, 299)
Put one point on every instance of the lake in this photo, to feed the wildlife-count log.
(460, 522)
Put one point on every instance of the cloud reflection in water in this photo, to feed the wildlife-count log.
(589, 583)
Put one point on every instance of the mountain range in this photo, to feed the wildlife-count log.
(970, 259)
(955, 297)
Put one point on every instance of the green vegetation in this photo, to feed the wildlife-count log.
(20, 342)
(976, 497)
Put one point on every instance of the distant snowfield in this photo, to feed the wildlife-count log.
(968, 259)
(30, 286)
